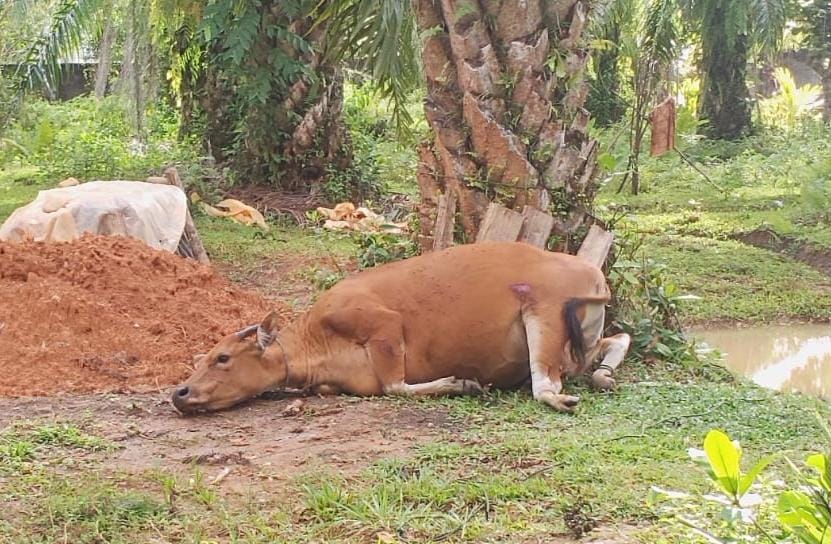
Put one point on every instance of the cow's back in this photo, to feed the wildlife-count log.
(461, 307)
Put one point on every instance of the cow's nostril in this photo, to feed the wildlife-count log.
(183, 392)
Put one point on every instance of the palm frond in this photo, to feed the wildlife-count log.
(662, 30)
(69, 24)
(381, 37)
(768, 23)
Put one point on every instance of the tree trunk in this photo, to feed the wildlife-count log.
(296, 139)
(725, 98)
(826, 94)
(505, 103)
(102, 72)
(604, 99)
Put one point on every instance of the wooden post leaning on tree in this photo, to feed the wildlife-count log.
(191, 244)
(501, 224)
(596, 246)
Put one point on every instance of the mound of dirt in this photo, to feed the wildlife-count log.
(109, 314)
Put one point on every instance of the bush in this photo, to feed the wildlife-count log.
(816, 192)
(376, 248)
(647, 305)
(382, 158)
(87, 139)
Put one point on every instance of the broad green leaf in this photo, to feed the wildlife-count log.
(724, 460)
(748, 479)
(606, 161)
(820, 462)
(794, 511)
(817, 461)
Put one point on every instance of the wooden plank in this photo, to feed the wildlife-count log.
(445, 221)
(536, 228)
(191, 235)
(596, 246)
(499, 225)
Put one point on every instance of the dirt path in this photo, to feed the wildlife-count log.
(266, 439)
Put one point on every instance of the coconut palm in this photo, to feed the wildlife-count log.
(729, 31)
(69, 24)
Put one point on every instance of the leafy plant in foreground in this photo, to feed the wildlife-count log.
(806, 511)
(803, 512)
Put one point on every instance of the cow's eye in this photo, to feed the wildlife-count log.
(224, 358)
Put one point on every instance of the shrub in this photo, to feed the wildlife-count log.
(88, 139)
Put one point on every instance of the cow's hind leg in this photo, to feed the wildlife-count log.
(545, 350)
(613, 350)
(440, 387)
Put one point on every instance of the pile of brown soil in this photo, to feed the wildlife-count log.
(109, 314)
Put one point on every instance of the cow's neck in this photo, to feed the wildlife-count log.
(301, 354)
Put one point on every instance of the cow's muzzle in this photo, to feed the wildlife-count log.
(181, 398)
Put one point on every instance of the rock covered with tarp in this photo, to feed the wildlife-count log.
(153, 213)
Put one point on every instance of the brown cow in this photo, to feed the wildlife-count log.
(442, 323)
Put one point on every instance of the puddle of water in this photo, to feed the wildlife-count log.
(782, 357)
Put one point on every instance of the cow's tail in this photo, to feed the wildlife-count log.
(574, 327)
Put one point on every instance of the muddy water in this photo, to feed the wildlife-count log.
(786, 357)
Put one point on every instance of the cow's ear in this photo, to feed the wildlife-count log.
(267, 330)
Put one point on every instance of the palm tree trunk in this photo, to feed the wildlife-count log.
(297, 137)
(102, 72)
(505, 103)
(725, 98)
(826, 95)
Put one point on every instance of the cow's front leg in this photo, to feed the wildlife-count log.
(546, 360)
(441, 387)
(613, 350)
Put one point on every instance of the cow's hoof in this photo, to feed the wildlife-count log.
(602, 380)
(472, 387)
(563, 403)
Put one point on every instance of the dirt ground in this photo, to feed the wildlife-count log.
(272, 438)
(257, 448)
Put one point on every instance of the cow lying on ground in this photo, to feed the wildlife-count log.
(450, 322)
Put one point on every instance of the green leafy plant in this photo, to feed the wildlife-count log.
(816, 191)
(89, 139)
(647, 304)
(791, 104)
(803, 511)
(724, 457)
(376, 248)
(806, 511)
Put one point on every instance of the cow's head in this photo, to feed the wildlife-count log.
(234, 370)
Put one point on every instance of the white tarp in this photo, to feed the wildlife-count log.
(150, 212)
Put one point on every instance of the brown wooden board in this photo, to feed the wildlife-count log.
(596, 246)
(445, 221)
(536, 227)
(500, 225)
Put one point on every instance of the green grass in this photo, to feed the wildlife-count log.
(16, 189)
(514, 470)
(245, 246)
(689, 224)
(740, 283)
